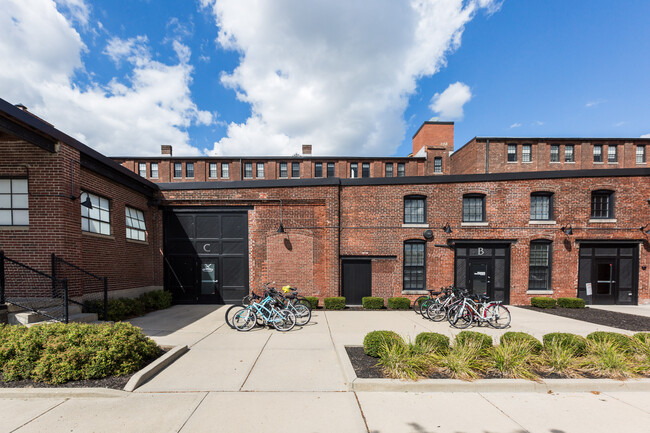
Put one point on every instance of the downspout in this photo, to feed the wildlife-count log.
(338, 241)
(487, 155)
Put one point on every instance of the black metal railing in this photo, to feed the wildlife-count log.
(85, 288)
(33, 290)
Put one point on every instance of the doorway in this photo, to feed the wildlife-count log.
(357, 280)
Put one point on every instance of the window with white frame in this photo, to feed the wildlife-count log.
(354, 169)
(331, 169)
(539, 270)
(97, 218)
(189, 170)
(260, 170)
(414, 265)
(318, 169)
(512, 153)
(401, 169)
(437, 164)
(612, 153)
(555, 153)
(248, 170)
(212, 172)
(14, 202)
(135, 225)
(295, 169)
(598, 153)
(283, 170)
(225, 170)
(142, 169)
(178, 170)
(640, 154)
(389, 169)
(526, 153)
(153, 170)
(569, 153)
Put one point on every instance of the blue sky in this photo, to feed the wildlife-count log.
(261, 77)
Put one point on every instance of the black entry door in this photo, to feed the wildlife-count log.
(604, 287)
(480, 277)
(356, 280)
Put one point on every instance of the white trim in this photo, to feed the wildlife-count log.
(422, 226)
(541, 222)
(539, 292)
(602, 220)
(415, 292)
(474, 224)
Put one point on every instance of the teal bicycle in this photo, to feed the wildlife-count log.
(268, 310)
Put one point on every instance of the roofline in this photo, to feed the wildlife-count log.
(407, 180)
(276, 158)
(119, 173)
(576, 139)
(431, 122)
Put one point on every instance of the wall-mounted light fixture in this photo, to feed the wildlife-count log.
(568, 230)
(428, 234)
(281, 228)
(643, 229)
(447, 228)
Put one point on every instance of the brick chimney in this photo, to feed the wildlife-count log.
(306, 149)
(434, 134)
(166, 149)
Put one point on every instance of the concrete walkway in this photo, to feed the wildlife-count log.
(232, 381)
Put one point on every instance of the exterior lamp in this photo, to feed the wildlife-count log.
(447, 228)
(281, 228)
(643, 229)
(568, 230)
(87, 203)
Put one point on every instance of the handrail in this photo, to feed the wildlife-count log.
(55, 257)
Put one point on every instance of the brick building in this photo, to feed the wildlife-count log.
(513, 229)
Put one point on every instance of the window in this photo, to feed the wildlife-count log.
(640, 153)
(602, 204)
(541, 206)
(212, 170)
(98, 218)
(401, 169)
(354, 169)
(437, 164)
(568, 153)
(135, 226)
(295, 169)
(539, 271)
(555, 153)
(526, 153)
(598, 153)
(225, 170)
(318, 169)
(473, 208)
(14, 202)
(283, 170)
(512, 153)
(142, 169)
(612, 154)
(415, 209)
(260, 170)
(189, 169)
(330, 169)
(153, 170)
(365, 169)
(414, 265)
(248, 170)
(389, 169)
(178, 169)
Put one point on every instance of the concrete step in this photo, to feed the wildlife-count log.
(27, 318)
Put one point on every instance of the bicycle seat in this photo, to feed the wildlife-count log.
(484, 297)
(432, 293)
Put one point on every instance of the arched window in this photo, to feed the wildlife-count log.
(415, 209)
(415, 265)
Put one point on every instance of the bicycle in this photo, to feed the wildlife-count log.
(465, 311)
(265, 309)
(422, 303)
(437, 310)
(291, 301)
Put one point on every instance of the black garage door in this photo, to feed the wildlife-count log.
(206, 255)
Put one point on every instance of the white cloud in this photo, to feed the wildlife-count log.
(645, 136)
(537, 123)
(621, 123)
(594, 103)
(515, 125)
(40, 51)
(449, 104)
(334, 73)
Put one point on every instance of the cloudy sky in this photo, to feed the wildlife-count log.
(262, 77)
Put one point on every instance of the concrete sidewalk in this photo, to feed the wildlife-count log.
(234, 381)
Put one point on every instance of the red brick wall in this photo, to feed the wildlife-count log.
(434, 134)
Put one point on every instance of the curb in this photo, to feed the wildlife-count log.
(61, 392)
(154, 368)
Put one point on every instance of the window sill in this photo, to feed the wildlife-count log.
(474, 224)
(640, 163)
(135, 241)
(415, 292)
(598, 162)
(416, 226)
(512, 162)
(526, 162)
(17, 228)
(97, 235)
(541, 222)
(569, 162)
(539, 292)
(603, 220)
(554, 162)
(612, 162)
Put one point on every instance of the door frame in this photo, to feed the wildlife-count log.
(489, 274)
(355, 260)
(609, 299)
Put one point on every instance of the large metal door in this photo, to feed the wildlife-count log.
(206, 255)
(357, 280)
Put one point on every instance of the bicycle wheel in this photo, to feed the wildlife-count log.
(436, 312)
(283, 320)
(244, 320)
(302, 313)
(498, 315)
(424, 306)
(459, 316)
(246, 300)
(301, 300)
(230, 312)
(417, 303)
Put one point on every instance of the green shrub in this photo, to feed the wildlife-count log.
(464, 361)
(534, 343)
(372, 302)
(559, 357)
(428, 342)
(58, 353)
(334, 303)
(156, 300)
(570, 303)
(124, 308)
(513, 358)
(576, 343)
(606, 358)
(543, 302)
(313, 300)
(403, 361)
(484, 340)
(622, 341)
(399, 303)
(643, 337)
(374, 340)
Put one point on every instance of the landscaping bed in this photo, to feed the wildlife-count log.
(630, 322)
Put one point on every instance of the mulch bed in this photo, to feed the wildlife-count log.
(629, 322)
